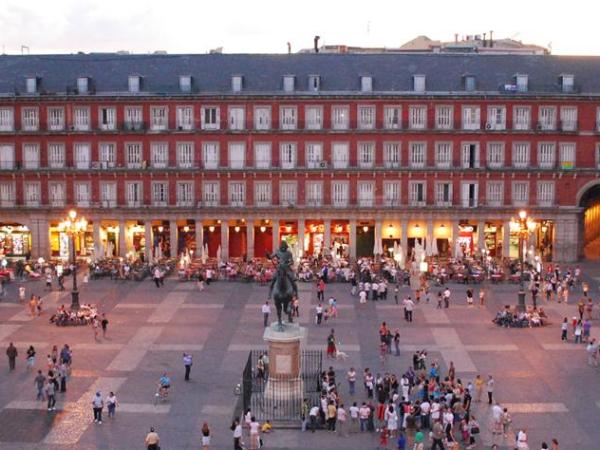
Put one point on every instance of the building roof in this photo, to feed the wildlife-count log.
(263, 73)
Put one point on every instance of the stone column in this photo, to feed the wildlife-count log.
(275, 225)
(225, 239)
(378, 226)
(506, 239)
(96, 235)
(404, 237)
(455, 232)
(481, 234)
(199, 237)
(173, 239)
(122, 238)
(327, 236)
(250, 239)
(148, 238)
(352, 239)
(301, 232)
(429, 233)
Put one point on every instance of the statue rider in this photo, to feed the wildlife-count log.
(285, 261)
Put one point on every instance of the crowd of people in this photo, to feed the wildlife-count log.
(86, 314)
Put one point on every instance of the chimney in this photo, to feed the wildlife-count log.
(317, 43)
(491, 38)
(456, 38)
(289, 46)
(484, 40)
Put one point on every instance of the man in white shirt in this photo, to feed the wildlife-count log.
(319, 310)
(354, 418)
(425, 409)
(266, 310)
(375, 290)
(363, 414)
(409, 305)
(362, 297)
(313, 414)
(446, 296)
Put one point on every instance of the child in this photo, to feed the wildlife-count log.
(383, 439)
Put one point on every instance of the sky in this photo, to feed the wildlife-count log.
(265, 26)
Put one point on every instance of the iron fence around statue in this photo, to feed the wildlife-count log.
(275, 401)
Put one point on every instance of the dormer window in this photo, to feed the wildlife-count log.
(237, 82)
(366, 84)
(288, 83)
(185, 83)
(419, 83)
(567, 82)
(32, 85)
(83, 85)
(134, 83)
(314, 83)
(470, 83)
(522, 81)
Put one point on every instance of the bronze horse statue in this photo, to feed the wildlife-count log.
(283, 287)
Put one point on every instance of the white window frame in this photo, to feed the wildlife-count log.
(160, 193)
(340, 152)
(365, 194)
(7, 156)
(82, 155)
(567, 154)
(495, 155)
(314, 193)
(32, 193)
(134, 84)
(465, 157)
(237, 83)
(471, 117)
(496, 118)
(108, 194)
(547, 118)
(340, 117)
(185, 155)
(444, 117)
(159, 118)
(443, 194)
(56, 118)
(210, 155)
(185, 117)
(392, 155)
(313, 117)
(288, 117)
(289, 83)
(134, 117)
(30, 118)
(521, 118)
(237, 193)
(494, 193)
(107, 154)
(262, 194)
(546, 155)
(236, 118)
(520, 193)
(263, 155)
(56, 194)
(419, 83)
(82, 192)
(288, 155)
(366, 117)
(417, 117)
(134, 194)
(31, 155)
(7, 194)
(417, 154)
(288, 193)
(366, 84)
(211, 193)
(392, 193)
(568, 118)
(417, 196)
(521, 155)
(546, 193)
(107, 118)
(443, 154)
(185, 193)
(365, 155)
(210, 117)
(81, 118)
(314, 155)
(392, 117)
(185, 83)
(262, 118)
(56, 155)
(340, 193)
(7, 119)
(159, 155)
(468, 201)
(236, 155)
(134, 155)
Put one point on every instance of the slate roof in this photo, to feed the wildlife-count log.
(340, 73)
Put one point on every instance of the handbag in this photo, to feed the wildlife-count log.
(475, 429)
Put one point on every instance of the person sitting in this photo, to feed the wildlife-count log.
(164, 385)
(267, 427)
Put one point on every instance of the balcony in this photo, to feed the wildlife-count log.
(546, 203)
(82, 203)
(314, 202)
(417, 203)
(185, 203)
(32, 203)
(340, 203)
(262, 203)
(469, 203)
(496, 203)
(134, 126)
(108, 203)
(57, 203)
(209, 203)
(443, 203)
(366, 203)
(134, 203)
(159, 203)
(7, 203)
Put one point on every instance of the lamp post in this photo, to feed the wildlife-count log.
(524, 229)
(73, 227)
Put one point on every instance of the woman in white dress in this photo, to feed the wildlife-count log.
(391, 418)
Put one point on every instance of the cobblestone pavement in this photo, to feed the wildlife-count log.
(545, 383)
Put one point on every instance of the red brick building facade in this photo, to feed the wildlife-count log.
(167, 153)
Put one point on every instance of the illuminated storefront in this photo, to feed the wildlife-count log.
(15, 240)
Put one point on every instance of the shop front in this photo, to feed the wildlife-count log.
(493, 235)
(15, 241)
(365, 239)
(340, 237)
(109, 239)
(314, 237)
(60, 245)
(161, 241)
(263, 238)
(186, 236)
(466, 241)
(441, 235)
(212, 237)
(390, 235)
(137, 232)
(237, 239)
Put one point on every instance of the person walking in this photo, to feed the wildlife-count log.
(254, 434)
(152, 440)
(341, 421)
(12, 354)
(97, 405)
(564, 328)
(351, 377)
(40, 382)
(331, 416)
(331, 348)
(446, 296)
(319, 311)
(30, 358)
(62, 375)
(478, 388)
(490, 388)
(205, 436)
(236, 427)
(321, 290)
(51, 396)
(156, 276)
(104, 325)
(187, 364)
(304, 409)
(409, 306)
(266, 310)
(95, 327)
(21, 293)
(111, 404)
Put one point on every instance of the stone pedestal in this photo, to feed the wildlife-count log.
(284, 382)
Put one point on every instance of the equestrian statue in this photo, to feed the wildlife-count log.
(283, 287)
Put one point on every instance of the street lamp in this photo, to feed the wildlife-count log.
(73, 227)
(526, 225)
